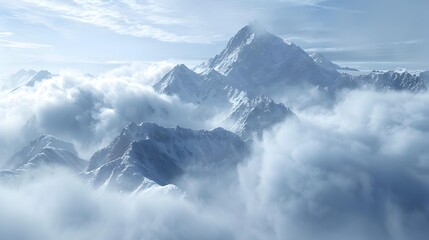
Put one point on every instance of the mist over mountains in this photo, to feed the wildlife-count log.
(261, 137)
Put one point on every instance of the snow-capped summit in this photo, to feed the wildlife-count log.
(260, 62)
(40, 76)
(43, 152)
(23, 76)
(180, 80)
(31, 81)
(17, 79)
(257, 114)
(148, 154)
(35, 147)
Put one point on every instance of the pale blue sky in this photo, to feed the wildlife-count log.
(93, 35)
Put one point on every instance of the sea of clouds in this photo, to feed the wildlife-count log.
(355, 169)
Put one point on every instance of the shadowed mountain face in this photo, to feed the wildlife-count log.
(146, 154)
(425, 77)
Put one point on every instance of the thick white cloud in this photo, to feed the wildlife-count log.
(90, 111)
(63, 207)
(358, 170)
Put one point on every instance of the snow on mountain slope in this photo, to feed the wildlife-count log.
(237, 110)
(35, 147)
(181, 81)
(40, 76)
(262, 63)
(326, 63)
(37, 77)
(392, 80)
(9, 177)
(255, 115)
(17, 79)
(43, 152)
(145, 154)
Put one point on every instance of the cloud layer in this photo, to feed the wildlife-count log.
(357, 170)
(90, 111)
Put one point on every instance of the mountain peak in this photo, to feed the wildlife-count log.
(261, 62)
(41, 75)
(256, 28)
(24, 72)
(247, 34)
(179, 79)
(35, 147)
(47, 140)
(181, 67)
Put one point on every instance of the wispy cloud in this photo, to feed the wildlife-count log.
(318, 4)
(23, 45)
(407, 42)
(303, 2)
(146, 19)
(5, 34)
(17, 44)
(365, 47)
(307, 39)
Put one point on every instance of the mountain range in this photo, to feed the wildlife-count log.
(238, 88)
(147, 154)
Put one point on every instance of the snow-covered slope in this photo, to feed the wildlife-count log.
(237, 110)
(259, 62)
(35, 147)
(181, 81)
(254, 115)
(40, 76)
(262, 63)
(392, 81)
(43, 152)
(17, 79)
(37, 77)
(326, 63)
(146, 154)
